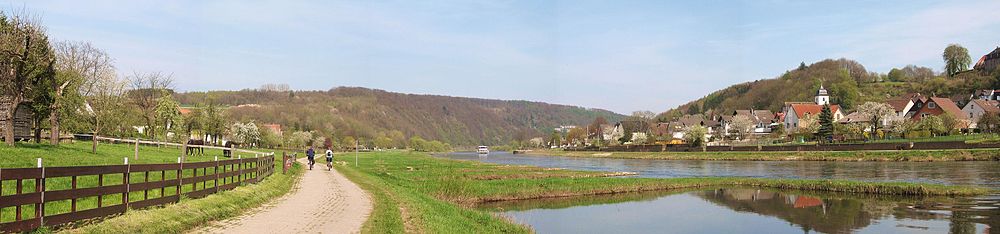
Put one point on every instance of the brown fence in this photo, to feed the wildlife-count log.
(829, 147)
(110, 190)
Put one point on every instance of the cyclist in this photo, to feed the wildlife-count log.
(329, 159)
(311, 155)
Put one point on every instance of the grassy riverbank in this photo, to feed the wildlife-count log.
(414, 192)
(191, 213)
(78, 154)
(878, 155)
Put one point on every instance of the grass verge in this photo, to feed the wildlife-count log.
(414, 192)
(870, 156)
(191, 213)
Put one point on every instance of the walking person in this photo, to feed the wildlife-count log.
(311, 155)
(329, 159)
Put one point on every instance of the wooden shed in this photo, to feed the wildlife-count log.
(22, 118)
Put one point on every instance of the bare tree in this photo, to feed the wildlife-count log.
(25, 58)
(104, 101)
(741, 124)
(875, 112)
(145, 91)
(78, 65)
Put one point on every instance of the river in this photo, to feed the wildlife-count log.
(743, 210)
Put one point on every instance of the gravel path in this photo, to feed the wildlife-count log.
(323, 202)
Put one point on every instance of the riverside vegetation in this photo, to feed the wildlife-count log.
(187, 214)
(866, 155)
(414, 192)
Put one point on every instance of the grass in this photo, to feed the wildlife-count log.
(871, 155)
(414, 192)
(78, 154)
(191, 213)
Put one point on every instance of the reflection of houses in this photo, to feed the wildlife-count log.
(826, 215)
(22, 118)
(795, 111)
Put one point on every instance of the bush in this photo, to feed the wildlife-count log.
(917, 134)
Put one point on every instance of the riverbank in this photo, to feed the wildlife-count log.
(863, 156)
(414, 192)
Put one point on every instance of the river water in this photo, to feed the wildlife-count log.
(752, 210)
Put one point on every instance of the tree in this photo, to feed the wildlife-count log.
(383, 142)
(576, 135)
(299, 139)
(595, 126)
(214, 122)
(825, 131)
(77, 65)
(846, 91)
(808, 125)
(876, 112)
(555, 139)
(245, 133)
(417, 143)
(989, 123)
(949, 122)
(168, 113)
(145, 91)
(896, 75)
(348, 142)
(27, 60)
(956, 59)
(741, 124)
(934, 124)
(104, 104)
(695, 135)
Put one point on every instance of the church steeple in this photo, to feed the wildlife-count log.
(822, 96)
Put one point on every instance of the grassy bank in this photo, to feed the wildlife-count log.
(78, 154)
(418, 193)
(191, 213)
(878, 156)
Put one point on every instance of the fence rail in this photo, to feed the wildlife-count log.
(132, 183)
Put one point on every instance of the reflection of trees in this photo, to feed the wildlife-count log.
(829, 215)
(558, 203)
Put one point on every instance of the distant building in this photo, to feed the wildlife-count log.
(987, 94)
(989, 62)
(797, 110)
(564, 128)
(979, 107)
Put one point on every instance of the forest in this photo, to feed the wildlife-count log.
(376, 114)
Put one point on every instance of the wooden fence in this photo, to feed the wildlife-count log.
(85, 192)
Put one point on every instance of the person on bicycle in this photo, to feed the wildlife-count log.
(329, 159)
(311, 155)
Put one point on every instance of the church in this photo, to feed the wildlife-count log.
(795, 111)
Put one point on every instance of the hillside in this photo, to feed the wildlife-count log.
(366, 112)
(849, 82)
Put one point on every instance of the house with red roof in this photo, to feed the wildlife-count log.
(989, 62)
(795, 111)
(936, 106)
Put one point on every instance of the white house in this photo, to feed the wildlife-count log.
(797, 110)
(979, 107)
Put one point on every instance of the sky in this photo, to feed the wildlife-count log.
(621, 56)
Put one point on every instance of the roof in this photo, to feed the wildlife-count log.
(763, 115)
(982, 60)
(185, 111)
(802, 109)
(989, 106)
(913, 97)
(822, 91)
(899, 104)
(948, 106)
(855, 117)
(747, 113)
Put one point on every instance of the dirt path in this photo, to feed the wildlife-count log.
(323, 202)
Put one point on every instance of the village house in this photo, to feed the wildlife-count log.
(936, 106)
(918, 102)
(989, 62)
(275, 128)
(22, 118)
(795, 111)
(988, 94)
(979, 107)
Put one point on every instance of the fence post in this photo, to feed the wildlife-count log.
(239, 172)
(40, 188)
(180, 176)
(136, 157)
(125, 179)
(216, 171)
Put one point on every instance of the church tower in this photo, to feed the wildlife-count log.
(822, 97)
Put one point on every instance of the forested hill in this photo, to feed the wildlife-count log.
(849, 83)
(368, 112)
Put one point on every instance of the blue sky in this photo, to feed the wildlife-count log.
(616, 55)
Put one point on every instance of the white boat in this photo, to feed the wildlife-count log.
(483, 149)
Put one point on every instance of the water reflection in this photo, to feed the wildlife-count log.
(983, 174)
(742, 210)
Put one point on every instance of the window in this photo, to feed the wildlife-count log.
(932, 105)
